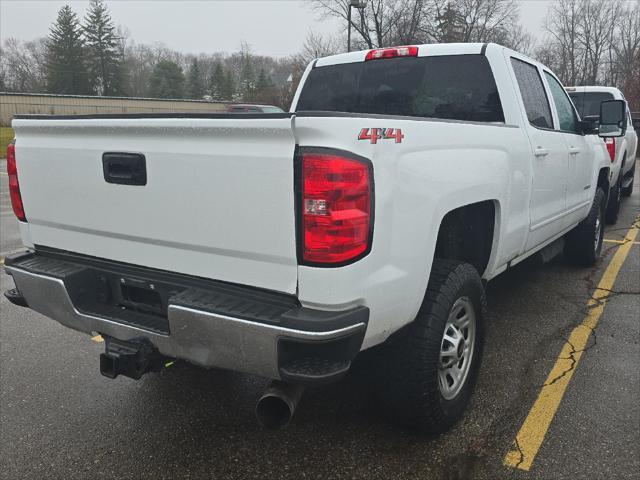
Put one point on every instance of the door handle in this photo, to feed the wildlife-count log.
(574, 150)
(540, 152)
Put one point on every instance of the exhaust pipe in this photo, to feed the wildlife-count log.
(278, 403)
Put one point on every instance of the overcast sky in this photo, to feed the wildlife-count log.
(271, 27)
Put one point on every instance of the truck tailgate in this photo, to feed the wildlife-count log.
(218, 200)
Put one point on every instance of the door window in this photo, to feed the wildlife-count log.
(566, 112)
(533, 94)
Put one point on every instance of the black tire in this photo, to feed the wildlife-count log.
(411, 387)
(582, 245)
(615, 198)
(627, 191)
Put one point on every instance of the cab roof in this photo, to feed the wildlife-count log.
(594, 88)
(424, 50)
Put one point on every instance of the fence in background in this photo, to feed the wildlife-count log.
(23, 103)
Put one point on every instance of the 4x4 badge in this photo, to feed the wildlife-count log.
(375, 134)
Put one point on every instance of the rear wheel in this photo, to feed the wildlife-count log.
(584, 243)
(615, 197)
(432, 367)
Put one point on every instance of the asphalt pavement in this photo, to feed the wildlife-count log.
(60, 419)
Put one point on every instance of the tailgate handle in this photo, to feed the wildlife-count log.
(124, 168)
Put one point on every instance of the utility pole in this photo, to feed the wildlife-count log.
(360, 5)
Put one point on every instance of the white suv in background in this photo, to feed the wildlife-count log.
(622, 150)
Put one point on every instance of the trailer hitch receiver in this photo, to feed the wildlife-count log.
(132, 358)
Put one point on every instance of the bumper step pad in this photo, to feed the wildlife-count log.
(314, 370)
(96, 288)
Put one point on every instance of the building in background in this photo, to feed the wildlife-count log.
(28, 103)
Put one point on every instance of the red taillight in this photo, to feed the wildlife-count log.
(337, 194)
(611, 148)
(14, 186)
(394, 52)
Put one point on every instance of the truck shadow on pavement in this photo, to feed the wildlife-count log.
(189, 422)
(342, 429)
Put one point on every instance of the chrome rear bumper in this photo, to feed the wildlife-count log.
(204, 338)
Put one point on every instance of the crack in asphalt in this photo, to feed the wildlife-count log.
(592, 303)
(574, 305)
(520, 451)
(502, 425)
(615, 293)
(595, 302)
(573, 360)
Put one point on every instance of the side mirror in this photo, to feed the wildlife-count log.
(613, 118)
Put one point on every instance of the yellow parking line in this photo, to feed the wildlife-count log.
(97, 338)
(610, 240)
(535, 426)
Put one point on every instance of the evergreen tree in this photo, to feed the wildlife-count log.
(65, 62)
(264, 91)
(449, 25)
(103, 57)
(167, 80)
(229, 87)
(217, 82)
(247, 78)
(195, 81)
(264, 81)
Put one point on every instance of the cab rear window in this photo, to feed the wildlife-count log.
(456, 87)
(588, 103)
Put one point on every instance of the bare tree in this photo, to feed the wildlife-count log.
(593, 41)
(123, 37)
(397, 22)
(139, 61)
(412, 21)
(486, 20)
(563, 24)
(596, 31)
(23, 65)
(549, 54)
(627, 53)
(515, 37)
(316, 45)
(377, 23)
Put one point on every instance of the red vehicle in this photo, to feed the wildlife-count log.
(247, 108)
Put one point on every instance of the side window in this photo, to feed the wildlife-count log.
(566, 113)
(533, 94)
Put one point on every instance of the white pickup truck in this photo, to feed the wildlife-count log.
(284, 244)
(622, 150)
